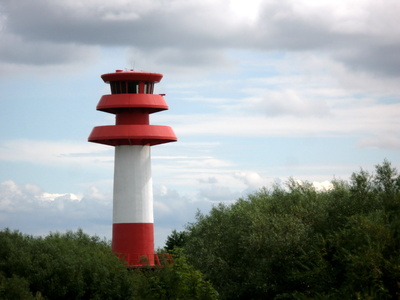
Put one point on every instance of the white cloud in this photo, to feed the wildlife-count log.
(330, 101)
(31, 53)
(180, 33)
(253, 180)
(33, 211)
(348, 120)
(246, 11)
(322, 186)
(55, 152)
(54, 197)
(173, 210)
(386, 141)
(319, 186)
(287, 102)
(218, 193)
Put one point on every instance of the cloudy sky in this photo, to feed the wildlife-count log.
(259, 91)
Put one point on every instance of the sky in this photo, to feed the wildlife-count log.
(258, 92)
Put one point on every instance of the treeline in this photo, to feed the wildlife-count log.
(287, 242)
(76, 266)
(293, 242)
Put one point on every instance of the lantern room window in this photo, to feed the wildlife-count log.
(131, 87)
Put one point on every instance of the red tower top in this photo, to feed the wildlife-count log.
(132, 100)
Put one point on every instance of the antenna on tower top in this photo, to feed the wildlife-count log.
(132, 60)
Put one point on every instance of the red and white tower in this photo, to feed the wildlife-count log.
(132, 100)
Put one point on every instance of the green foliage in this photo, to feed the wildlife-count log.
(60, 266)
(15, 287)
(172, 281)
(293, 242)
(290, 242)
(76, 266)
(175, 240)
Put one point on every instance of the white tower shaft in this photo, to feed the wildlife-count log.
(133, 191)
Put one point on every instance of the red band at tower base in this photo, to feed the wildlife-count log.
(134, 242)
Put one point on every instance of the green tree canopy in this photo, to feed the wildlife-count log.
(76, 266)
(176, 239)
(60, 266)
(179, 281)
(292, 242)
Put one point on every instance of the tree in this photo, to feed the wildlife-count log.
(178, 281)
(175, 240)
(61, 266)
(292, 242)
(76, 266)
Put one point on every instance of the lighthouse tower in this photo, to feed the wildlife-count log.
(132, 101)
